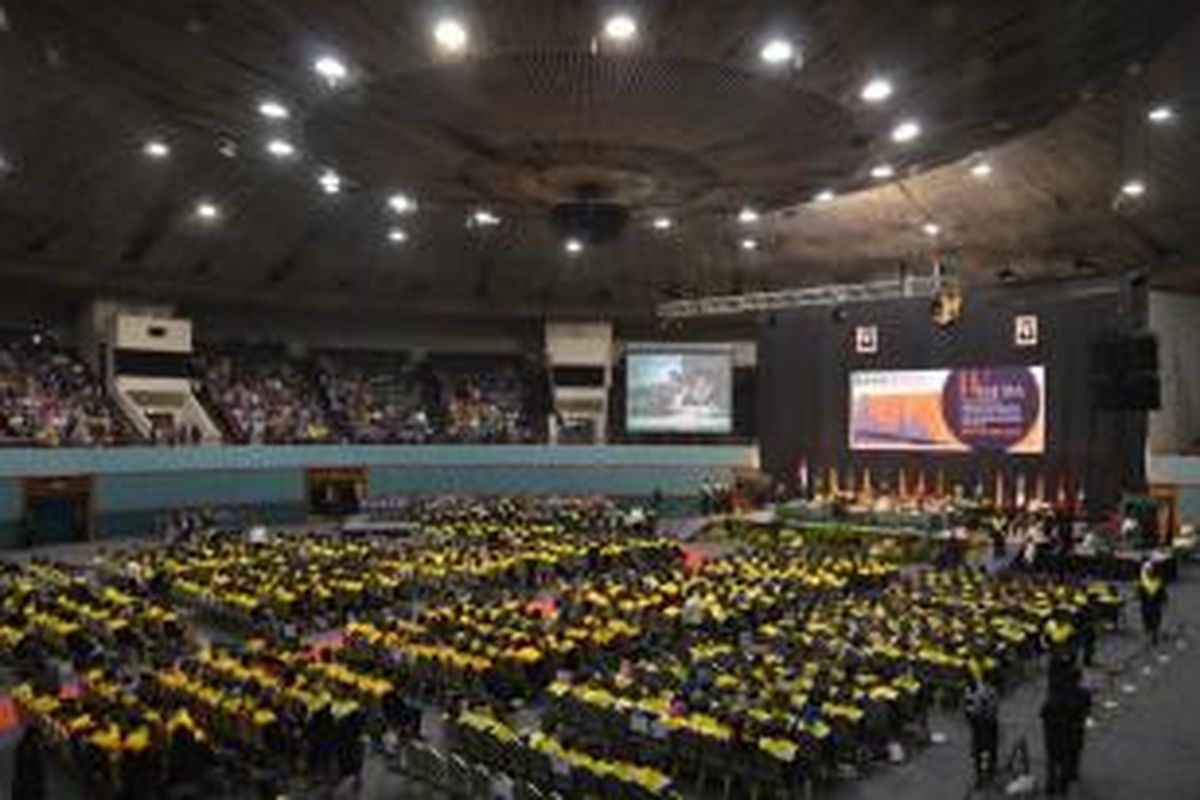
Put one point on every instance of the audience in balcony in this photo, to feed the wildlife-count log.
(48, 397)
(377, 398)
(264, 395)
(269, 396)
(485, 405)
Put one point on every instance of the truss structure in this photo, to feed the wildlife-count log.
(828, 295)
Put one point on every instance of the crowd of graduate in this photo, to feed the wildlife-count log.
(220, 661)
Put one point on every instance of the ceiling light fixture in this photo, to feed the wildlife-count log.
(748, 216)
(331, 69)
(931, 229)
(330, 182)
(402, 203)
(207, 211)
(156, 149)
(1134, 187)
(882, 171)
(281, 148)
(573, 247)
(450, 35)
(273, 109)
(620, 28)
(397, 235)
(982, 170)
(663, 223)
(1161, 114)
(483, 218)
(876, 90)
(825, 195)
(777, 52)
(906, 131)
(749, 244)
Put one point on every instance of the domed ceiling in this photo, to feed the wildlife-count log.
(213, 150)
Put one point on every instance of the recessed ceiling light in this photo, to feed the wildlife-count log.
(777, 52)
(207, 210)
(273, 109)
(748, 216)
(483, 218)
(931, 228)
(573, 247)
(1134, 187)
(331, 69)
(825, 195)
(329, 181)
(906, 131)
(882, 171)
(156, 149)
(281, 148)
(663, 223)
(876, 90)
(402, 203)
(227, 147)
(749, 244)
(397, 235)
(621, 27)
(1161, 114)
(982, 170)
(451, 35)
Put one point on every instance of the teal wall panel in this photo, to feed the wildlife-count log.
(628, 480)
(66, 461)
(135, 486)
(168, 489)
(11, 507)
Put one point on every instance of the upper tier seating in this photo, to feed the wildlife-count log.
(270, 396)
(49, 398)
(485, 399)
(375, 397)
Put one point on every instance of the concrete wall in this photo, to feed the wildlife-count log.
(1175, 318)
(1182, 472)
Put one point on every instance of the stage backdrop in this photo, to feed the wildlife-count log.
(808, 356)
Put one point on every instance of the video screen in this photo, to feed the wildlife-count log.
(685, 391)
(986, 409)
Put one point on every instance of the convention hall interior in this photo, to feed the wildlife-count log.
(599, 399)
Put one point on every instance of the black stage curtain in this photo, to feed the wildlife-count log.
(806, 357)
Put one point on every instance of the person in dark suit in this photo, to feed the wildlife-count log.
(982, 706)
(1064, 727)
(29, 769)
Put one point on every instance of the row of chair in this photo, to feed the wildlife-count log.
(452, 776)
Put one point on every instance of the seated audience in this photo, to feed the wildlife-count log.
(48, 397)
(269, 396)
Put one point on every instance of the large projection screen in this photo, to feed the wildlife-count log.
(673, 389)
(984, 409)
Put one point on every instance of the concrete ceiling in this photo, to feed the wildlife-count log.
(541, 110)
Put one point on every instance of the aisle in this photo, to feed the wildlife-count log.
(1147, 746)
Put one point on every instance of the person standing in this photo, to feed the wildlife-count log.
(29, 778)
(1064, 728)
(1152, 595)
(982, 706)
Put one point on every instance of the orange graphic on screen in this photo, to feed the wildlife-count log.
(902, 418)
(906, 410)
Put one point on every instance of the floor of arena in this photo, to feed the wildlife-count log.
(1145, 730)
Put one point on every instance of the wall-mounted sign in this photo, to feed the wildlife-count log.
(1025, 330)
(866, 339)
